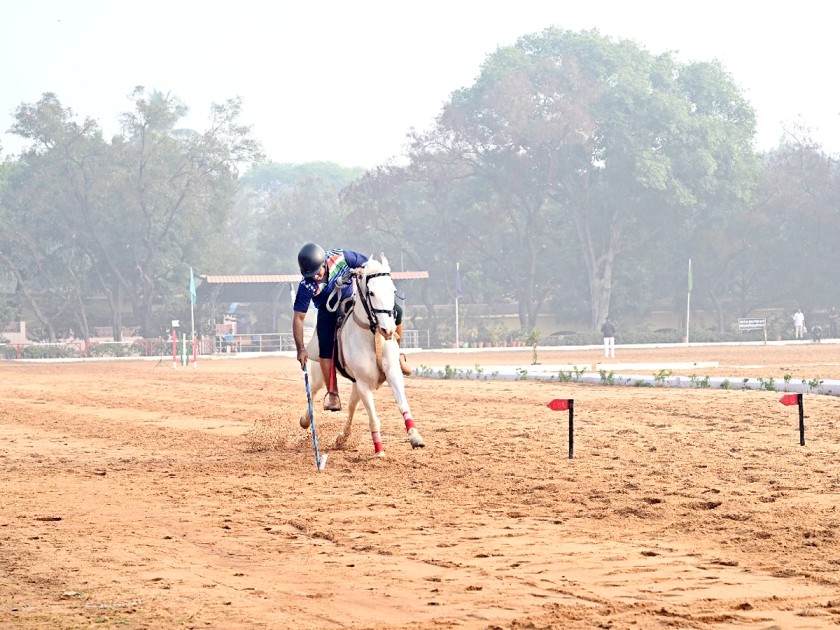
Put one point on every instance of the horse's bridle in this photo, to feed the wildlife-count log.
(365, 300)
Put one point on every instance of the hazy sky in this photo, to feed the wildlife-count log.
(344, 81)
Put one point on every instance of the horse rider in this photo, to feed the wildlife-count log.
(321, 271)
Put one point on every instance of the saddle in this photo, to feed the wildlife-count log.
(345, 310)
(345, 307)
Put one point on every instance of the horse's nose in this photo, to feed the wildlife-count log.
(386, 333)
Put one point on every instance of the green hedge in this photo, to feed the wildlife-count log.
(115, 349)
(50, 352)
(148, 347)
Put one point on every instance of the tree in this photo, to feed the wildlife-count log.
(281, 206)
(492, 159)
(176, 188)
(138, 211)
(8, 307)
(43, 246)
(407, 211)
(798, 224)
(573, 133)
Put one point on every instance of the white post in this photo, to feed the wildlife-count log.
(192, 319)
(457, 295)
(688, 303)
(687, 317)
(457, 335)
(194, 340)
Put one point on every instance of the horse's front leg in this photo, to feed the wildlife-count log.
(341, 440)
(366, 396)
(397, 384)
(316, 382)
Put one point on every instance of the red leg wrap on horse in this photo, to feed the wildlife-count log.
(409, 422)
(377, 442)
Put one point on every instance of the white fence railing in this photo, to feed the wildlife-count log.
(268, 342)
(281, 342)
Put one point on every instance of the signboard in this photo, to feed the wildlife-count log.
(756, 323)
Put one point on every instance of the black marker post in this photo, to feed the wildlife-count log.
(797, 399)
(562, 404)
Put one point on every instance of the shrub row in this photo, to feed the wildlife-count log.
(148, 347)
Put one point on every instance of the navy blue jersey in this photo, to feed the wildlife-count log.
(340, 263)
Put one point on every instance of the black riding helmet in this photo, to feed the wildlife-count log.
(310, 259)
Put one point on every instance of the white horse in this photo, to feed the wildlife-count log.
(369, 353)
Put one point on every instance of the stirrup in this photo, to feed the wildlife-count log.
(332, 402)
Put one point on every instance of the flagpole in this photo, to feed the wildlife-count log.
(688, 303)
(195, 341)
(457, 295)
(192, 304)
(192, 318)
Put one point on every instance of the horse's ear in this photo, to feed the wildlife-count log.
(383, 259)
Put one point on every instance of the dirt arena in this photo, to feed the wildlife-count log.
(135, 495)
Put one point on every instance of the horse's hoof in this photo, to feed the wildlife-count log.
(304, 421)
(380, 455)
(414, 439)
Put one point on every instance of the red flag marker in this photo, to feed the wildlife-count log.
(563, 404)
(796, 399)
(789, 399)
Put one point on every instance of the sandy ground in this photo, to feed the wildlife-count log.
(135, 495)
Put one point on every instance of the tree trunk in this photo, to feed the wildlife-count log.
(116, 310)
(599, 266)
(30, 299)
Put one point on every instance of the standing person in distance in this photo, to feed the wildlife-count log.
(798, 324)
(608, 330)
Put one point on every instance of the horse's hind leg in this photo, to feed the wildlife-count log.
(414, 437)
(341, 440)
(397, 384)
